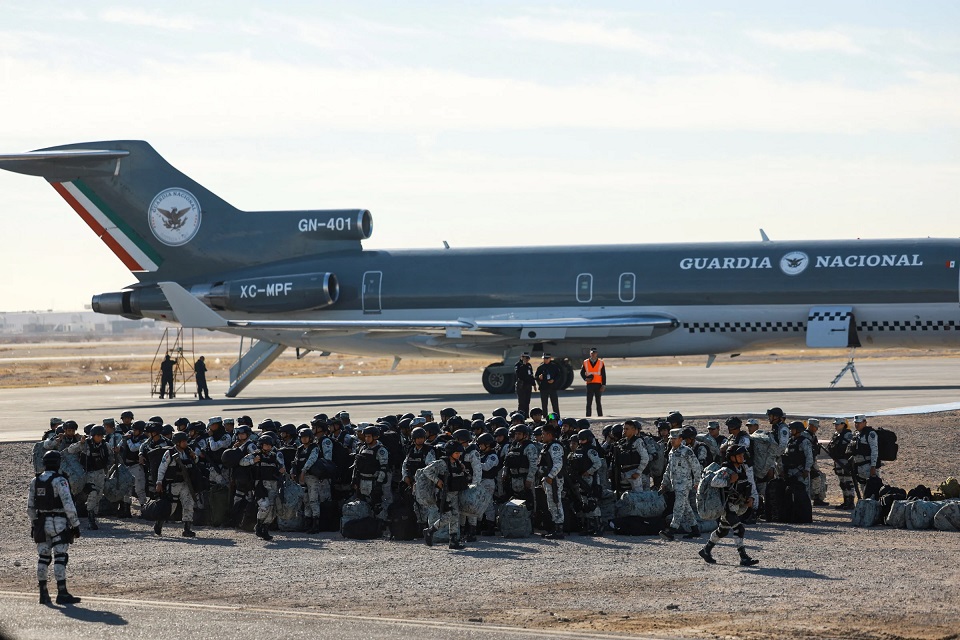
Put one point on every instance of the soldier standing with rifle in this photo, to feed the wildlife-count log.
(174, 472)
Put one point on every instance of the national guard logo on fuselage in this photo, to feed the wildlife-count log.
(174, 217)
(794, 263)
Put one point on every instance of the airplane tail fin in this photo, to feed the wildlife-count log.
(165, 226)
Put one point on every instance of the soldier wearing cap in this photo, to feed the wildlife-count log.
(837, 449)
(680, 478)
(525, 382)
(818, 481)
(549, 379)
(594, 373)
(113, 439)
(864, 454)
(713, 431)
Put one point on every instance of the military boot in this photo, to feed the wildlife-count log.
(668, 534)
(44, 594)
(455, 542)
(847, 504)
(187, 531)
(707, 553)
(745, 560)
(262, 532)
(308, 525)
(428, 536)
(158, 527)
(63, 596)
(124, 511)
(92, 521)
(469, 534)
(556, 533)
(694, 533)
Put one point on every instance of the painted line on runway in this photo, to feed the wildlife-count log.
(295, 613)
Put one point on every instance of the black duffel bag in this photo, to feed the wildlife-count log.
(159, 509)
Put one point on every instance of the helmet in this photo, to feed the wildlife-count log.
(87, 427)
(243, 429)
(180, 436)
(98, 430)
(496, 422)
(462, 435)
(585, 434)
(454, 423)
(521, 428)
(447, 412)
(371, 431)
(390, 420)
(452, 447)
(775, 412)
(181, 421)
(501, 432)
(156, 419)
(688, 432)
(499, 412)
(517, 415)
(55, 421)
(675, 417)
(51, 460)
(321, 417)
(404, 423)
(126, 414)
(139, 425)
(733, 423)
(796, 424)
(419, 432)
(266, 439)
(69, 424)
(616, 431)
(568, 422)
(432, 428)
(289, 428)
(109, 422)
(476, 415)
(167, 430)
(305, 433)
(266, 425)
(152, 428)
(736, 450)
(582, 424)
(486, 439)
(477, 424)
(537, 431)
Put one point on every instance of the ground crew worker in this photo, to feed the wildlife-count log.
(54, 525)
(525, 383)
(798, 458)
(818, 481)
(549, 468)
(594, 373)
(681, 477)
(864, 454)
(738, 493)
(837, 449)
(166, 376)
(549, 379)
(449, 477)
(94, 458)
(173, 477)
(200, 375)
(268, 468)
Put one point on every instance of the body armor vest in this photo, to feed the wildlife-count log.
(45, 497)
(627, 454)
(793, 458)
(368, 466)
(491, 473)
(131, 455)
(416, 459)
(268, 468)
(457, 477)
(517, 462)
(300, 461)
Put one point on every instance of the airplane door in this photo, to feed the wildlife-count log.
(832, 327)
(370, 295)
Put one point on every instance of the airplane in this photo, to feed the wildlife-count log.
(302, 279)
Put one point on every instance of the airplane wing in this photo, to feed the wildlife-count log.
(194, 314)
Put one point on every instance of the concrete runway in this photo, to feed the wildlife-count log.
(910, 385)
(97, 618)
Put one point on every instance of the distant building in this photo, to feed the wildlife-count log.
(72, 323)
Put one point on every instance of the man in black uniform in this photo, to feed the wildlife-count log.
(166, 376)
(549, 377)
(525, 384)
(200, 374)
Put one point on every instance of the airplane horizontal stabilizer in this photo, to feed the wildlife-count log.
(67, 164)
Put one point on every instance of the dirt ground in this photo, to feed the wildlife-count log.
(825, 579)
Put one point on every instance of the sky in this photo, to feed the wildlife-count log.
(492, 123)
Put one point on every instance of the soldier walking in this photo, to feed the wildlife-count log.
(681, 478)
(55, 524)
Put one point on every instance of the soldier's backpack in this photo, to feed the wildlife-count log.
(344, 461)
(70, 466)
(325, 469)
(709, 498)
(474, 500)
(289, 506)
(117, 483)
(514, 520)
(38, 452)
(394, 446)
(658, 455)
(354, 511)
(608, 505)
(401, 518)
(707, 440)
(367, 528)
(920, 492)
(777, 507)
(231, 458)
(219, 505)
(159, 509)
(801, 509)
(638, 526)
(866, 513)
(646, 504)
(897, 517)
(948, 517)
(920, 514)
(329, 516)
(764, 452)
(887, 446)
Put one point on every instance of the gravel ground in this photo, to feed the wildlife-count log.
(824, 579)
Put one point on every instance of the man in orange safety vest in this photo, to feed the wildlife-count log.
(595, 375)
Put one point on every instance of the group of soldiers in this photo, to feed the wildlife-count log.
(557, 467)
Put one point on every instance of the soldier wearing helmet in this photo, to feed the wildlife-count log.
(549, 470)
(798, 458)
(130, 458)
(216, 442)
(370, 471)
(739, 436)
(94, 458)
(419, 454)
(738, 490)
(818, 481)
(268, 467)
(586, 465)
(489, 472)
(448, 477)
(700, 450)
(175, 477)
(837, 449)
(681, 478)
(307, 455)
(54, 525)
(632, 459)
(520, 466)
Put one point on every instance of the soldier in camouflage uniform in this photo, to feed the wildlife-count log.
(470, 460)
(173, 476)
(798, 458)
(549, 468)
(738, 493)
(307, 454)
(94, 456)
(837, 449)
(55, 524)
(370, 471)
(586, 464)
(268, 468)
(818, 481)
(864, 453)
(520, 466)
(449, 477)
(632, 459)
(681, 477)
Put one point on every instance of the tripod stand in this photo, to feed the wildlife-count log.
(852, 368)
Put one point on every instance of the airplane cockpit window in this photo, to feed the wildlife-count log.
(584, 287)
(628, 283)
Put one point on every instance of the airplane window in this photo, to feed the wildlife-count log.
(628, 283)
(584, 287)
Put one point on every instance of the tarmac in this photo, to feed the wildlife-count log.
(895, 386)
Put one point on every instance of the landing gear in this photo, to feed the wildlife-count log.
(852, 368)
(568, 374)
(498, 378)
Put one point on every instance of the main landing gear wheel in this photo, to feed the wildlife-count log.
(568, 374)
(497, 382)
